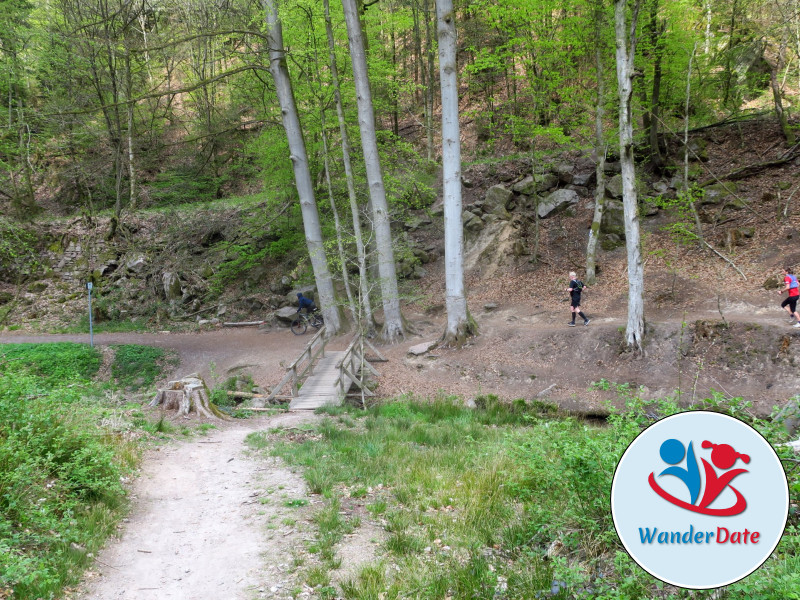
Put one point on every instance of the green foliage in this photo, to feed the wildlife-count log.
(183, 187)
(19, 257)
(59, 363)
(60, 482)
(682, 229)
(275, 238)
(138, 366)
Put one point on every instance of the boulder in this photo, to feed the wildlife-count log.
(497, 200)
(281, 287)
(472, 222)
(308, 291)
(698, 149)
(540, 182)
(717, 193)
(648, 208)
(613, 219)
(172, 286)
(565, 172)
(611, 242)
(437, 210)
(417, 221)
(286, 315)
(614, 187)
(421, 255)
(578, 189)
(422, 348)
(660, 187)
(136, 264)
(556, 202)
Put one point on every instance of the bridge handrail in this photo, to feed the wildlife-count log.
(291, 371)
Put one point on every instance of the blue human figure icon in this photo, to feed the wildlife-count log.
(672, 452)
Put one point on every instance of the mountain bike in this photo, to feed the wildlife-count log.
(303, 320)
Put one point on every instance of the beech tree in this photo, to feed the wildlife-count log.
(459, 323)
(393, 328)
(299, 158)
(348, 171)
(626, 50)
(599, 147)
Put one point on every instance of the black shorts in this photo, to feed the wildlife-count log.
(576, 301)
(791, 302)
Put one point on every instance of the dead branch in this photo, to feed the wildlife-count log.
(726, 259)
(750, 170)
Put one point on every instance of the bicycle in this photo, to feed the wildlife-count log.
(300, 325)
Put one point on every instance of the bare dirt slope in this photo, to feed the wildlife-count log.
(208, 521)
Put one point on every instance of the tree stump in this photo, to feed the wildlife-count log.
(187, 395)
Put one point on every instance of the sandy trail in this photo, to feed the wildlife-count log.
(206, 523)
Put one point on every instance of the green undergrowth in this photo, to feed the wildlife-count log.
(67, 442)
(138, 366)
(501, 501)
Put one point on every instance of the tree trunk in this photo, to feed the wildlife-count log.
(600, 150)
(657, 31)
(393, 328)
(345, 277)
(369, 319)
(302, 175)
(774, 71)
(429, 87)
(697, 224)
(626, 49)
(459, 324)
(131, 157)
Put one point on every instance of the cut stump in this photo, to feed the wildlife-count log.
(186, 395)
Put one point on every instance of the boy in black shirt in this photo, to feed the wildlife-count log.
(575, 288)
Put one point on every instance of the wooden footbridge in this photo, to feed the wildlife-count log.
(318, 377)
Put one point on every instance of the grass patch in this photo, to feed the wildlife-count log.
(136, 366)
(472, 500)
(53, 364)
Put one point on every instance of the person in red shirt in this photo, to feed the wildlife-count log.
(790, 304)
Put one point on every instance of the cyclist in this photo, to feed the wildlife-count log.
(307, 303)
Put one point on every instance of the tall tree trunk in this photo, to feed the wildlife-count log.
(657, 31)
(337, 224)
(697, 224)
(626, 49)
(393, 328)
(302, 175)
(774, 72)
(417, 58)
(707, 38)
(599, 148)
(459, 324)
(429, 87)
(129, 109)
(369, 319)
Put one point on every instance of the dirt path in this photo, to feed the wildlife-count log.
(208, 521)
(526, 351)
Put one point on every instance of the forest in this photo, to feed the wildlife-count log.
(429, 171)
(118, 107)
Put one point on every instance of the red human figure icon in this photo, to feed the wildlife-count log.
(724, 457)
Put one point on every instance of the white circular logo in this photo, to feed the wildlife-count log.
(699, 500)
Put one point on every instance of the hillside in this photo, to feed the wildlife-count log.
(709, 327)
